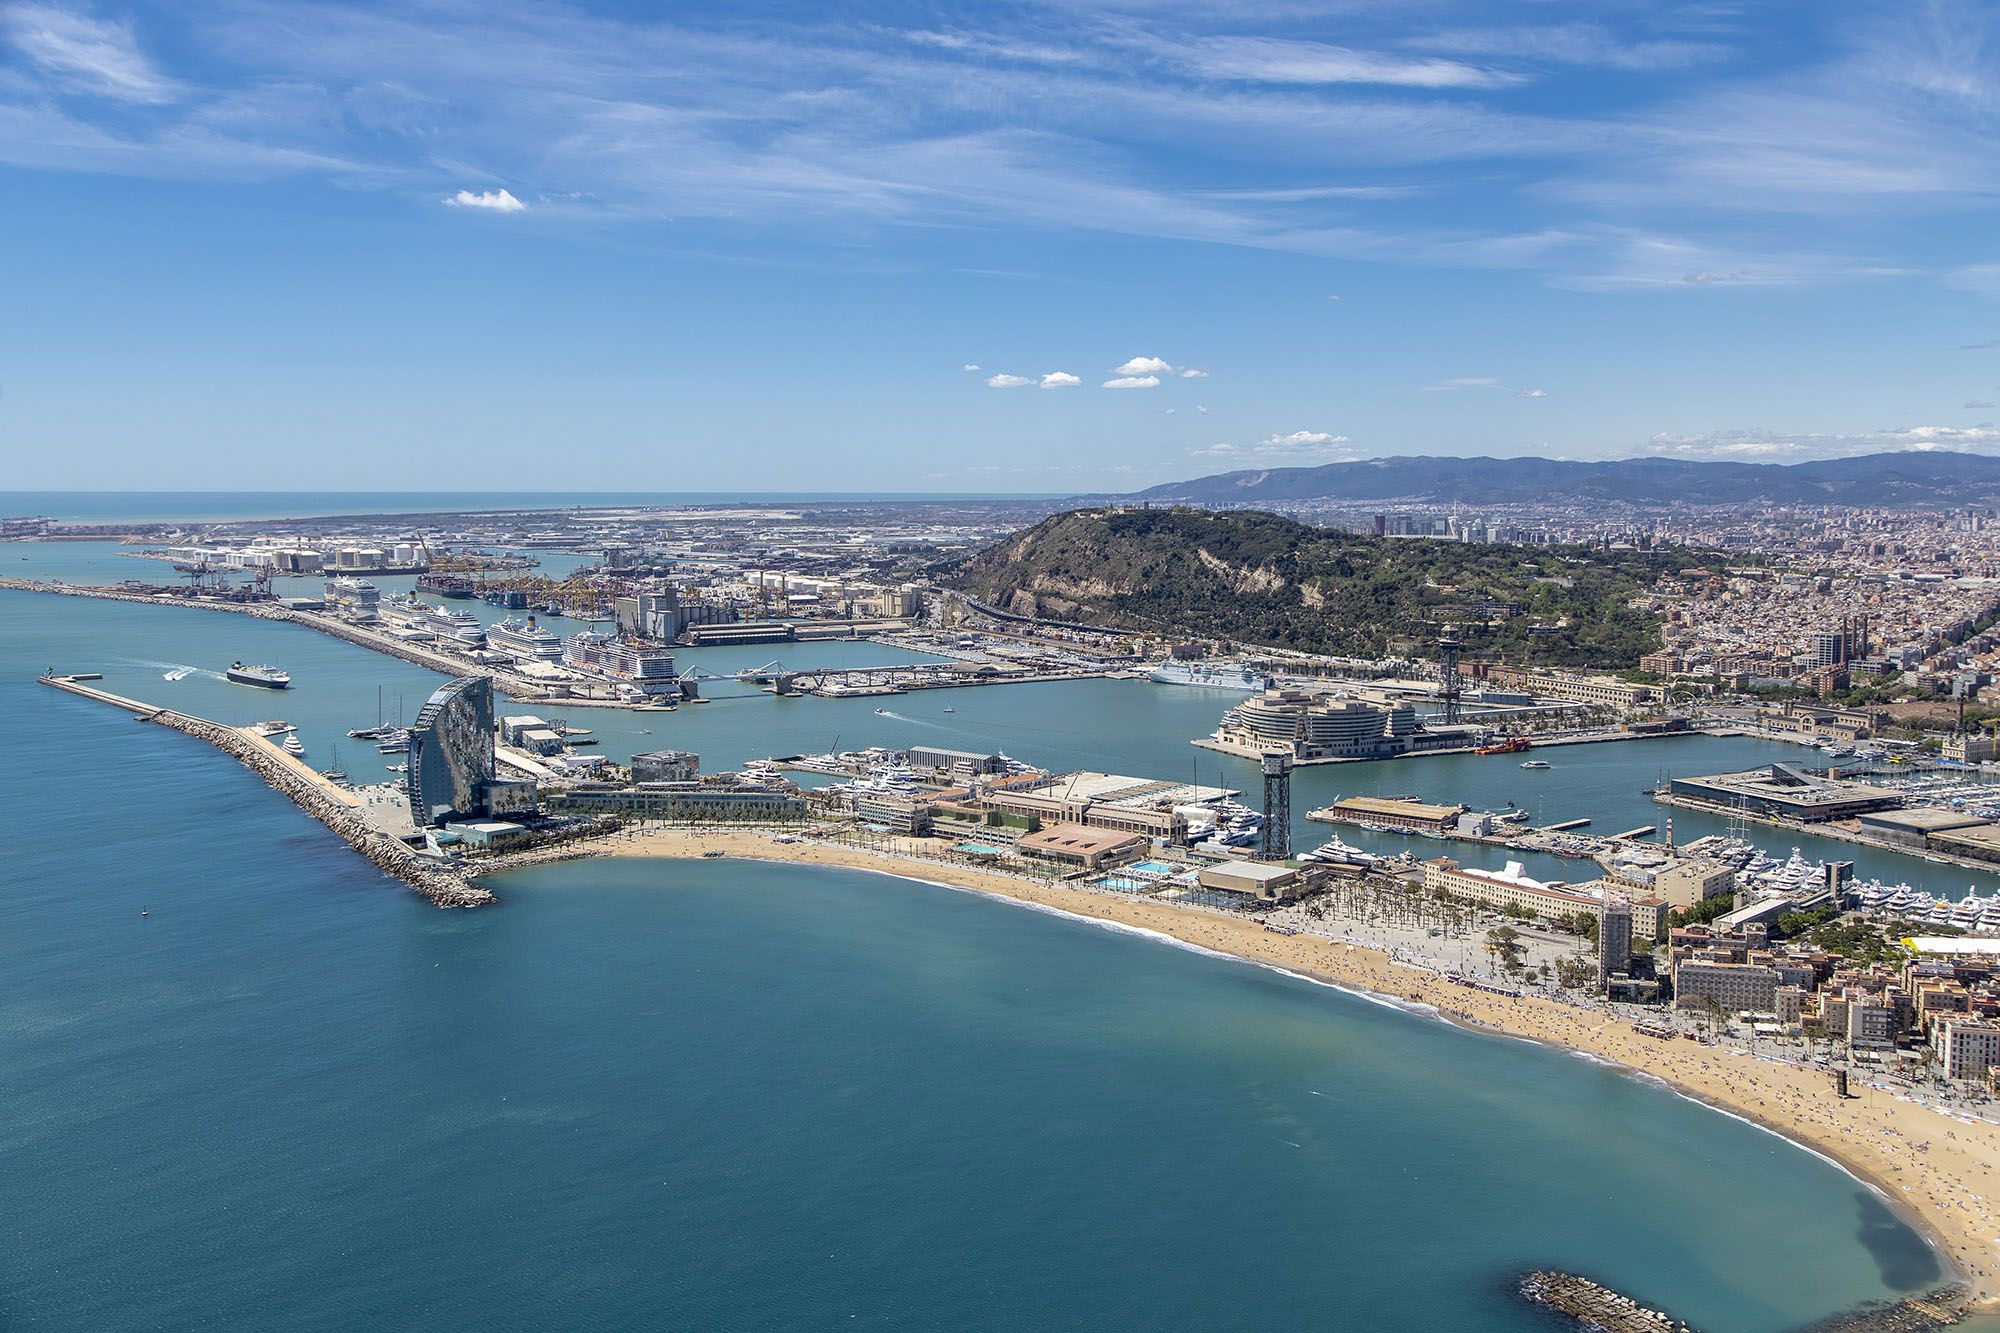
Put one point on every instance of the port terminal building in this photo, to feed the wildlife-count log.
(1317, 728)
(1782, 790)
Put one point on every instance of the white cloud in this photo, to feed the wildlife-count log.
(1756, 446)
(1060, 379)
(1279, 60)
(87, 55)
(1531, 393)
(1214, 451)
(1133, 382)
(1332, 297)
(969, 366)
(1143, 365)
(496, 201)
(1004, 381)
(1199, 408)
(1978, 405)
(1191, 373)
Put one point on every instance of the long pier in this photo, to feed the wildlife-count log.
(320, 797)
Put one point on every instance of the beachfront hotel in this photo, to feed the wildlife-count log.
(1510, 888)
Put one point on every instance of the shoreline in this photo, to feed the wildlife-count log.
(1915, 1160)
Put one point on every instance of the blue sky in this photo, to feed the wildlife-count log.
(984, 247)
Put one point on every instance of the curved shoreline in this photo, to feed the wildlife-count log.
(1932, 1170)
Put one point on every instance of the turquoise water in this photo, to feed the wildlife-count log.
(737, 1096)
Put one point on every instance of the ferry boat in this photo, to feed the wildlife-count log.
(265, 677)
(1211, 675)
(1535, 763)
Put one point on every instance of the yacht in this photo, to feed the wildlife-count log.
(1535, 763)
(292, 746)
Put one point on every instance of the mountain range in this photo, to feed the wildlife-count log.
(1893, 480)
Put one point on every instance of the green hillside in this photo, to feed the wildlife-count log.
(1262, 579)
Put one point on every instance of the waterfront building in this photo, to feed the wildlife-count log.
(1391, 813)
(1079, 845)
(666, 766)
(1734, 986)
(958, 765)
(451, 753)
(1604, 690)
(1966, 1050)
(1311, 726)
(1970, 748)
(1508, 888)
(1783, 790)
(722, 799)
(1614, 936)
(1260, 880)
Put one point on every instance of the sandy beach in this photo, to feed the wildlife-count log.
(1937, 1171)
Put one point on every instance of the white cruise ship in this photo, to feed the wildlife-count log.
(524, 640)
(1210, 675)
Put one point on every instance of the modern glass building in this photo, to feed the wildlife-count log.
(451, 753)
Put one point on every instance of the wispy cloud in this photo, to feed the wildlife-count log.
(1481, 382)
(1280, 60)
(1006, 381)
(1779, 446)
(1294, 447)
(1383, 149)
(1132, 382)
(494, 201)
(86, 55)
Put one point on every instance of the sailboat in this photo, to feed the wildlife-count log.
(336, 773)
(379, 729)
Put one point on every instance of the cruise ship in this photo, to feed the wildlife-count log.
(458, 628)
(524, 640)
(1210, 675)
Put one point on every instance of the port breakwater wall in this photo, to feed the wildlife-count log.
(516, 686)
(315, 796)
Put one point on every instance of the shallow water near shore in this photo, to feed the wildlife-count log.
(746, 1096)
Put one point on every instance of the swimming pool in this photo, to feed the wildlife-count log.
(1155, 867)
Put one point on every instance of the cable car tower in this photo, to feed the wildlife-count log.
(1450, 687)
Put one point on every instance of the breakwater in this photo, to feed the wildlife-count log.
(516, 686)
(1595, 1305)
(311, 792)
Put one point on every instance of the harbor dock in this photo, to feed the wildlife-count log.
(319, 796)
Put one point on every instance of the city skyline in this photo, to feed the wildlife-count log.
(1004, 248)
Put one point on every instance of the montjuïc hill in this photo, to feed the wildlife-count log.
(1261, 579)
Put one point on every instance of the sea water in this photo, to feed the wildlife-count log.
(254, 1084)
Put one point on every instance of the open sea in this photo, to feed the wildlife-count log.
(736, 1096)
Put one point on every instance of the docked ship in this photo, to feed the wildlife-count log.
(458, 628)
(1211, 675)
(524, 640)
(267, 677)
(446, 585)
